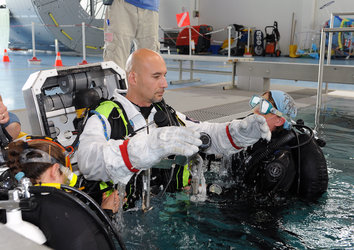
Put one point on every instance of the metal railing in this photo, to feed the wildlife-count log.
(324, 31)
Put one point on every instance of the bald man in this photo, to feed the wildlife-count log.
(121, 139)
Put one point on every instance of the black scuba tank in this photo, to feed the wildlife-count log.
(313, 181)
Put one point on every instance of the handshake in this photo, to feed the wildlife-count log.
(146, 150)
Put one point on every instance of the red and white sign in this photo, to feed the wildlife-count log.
(183, 19)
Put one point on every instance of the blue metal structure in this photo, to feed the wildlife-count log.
(56, 19)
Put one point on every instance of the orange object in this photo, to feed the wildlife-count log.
(183, 19)
(83, 62)
(270, 48)
(6, 56)
(201, 40)
(34, 60)
(58, 62)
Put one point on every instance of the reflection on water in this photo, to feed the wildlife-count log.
(177, 223)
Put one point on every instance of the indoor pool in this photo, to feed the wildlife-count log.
(177, 223)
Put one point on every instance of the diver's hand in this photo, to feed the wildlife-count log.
(146, 150)
(111, 202)
(248, 131)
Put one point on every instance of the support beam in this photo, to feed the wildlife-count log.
(192, 58)
(296, 71)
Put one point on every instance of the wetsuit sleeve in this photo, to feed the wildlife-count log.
(98, 158)
(220, 143)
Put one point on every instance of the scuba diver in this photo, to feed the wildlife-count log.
(139, 131)
(52, 202)
(291, 164)
(45, 161)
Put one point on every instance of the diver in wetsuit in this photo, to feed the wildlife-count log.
(290, 164)
(46, 202)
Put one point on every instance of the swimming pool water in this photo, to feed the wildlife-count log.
(177, 223)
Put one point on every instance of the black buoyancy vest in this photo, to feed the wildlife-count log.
(272, 174)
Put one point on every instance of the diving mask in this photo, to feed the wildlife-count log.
(265, 107)
(39, 156)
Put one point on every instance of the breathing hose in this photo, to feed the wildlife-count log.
(260, 154)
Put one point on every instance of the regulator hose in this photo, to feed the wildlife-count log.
(260, 154)
(308, 140)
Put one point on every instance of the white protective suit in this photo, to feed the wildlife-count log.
(101, 160)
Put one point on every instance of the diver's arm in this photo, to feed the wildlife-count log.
(117, 160)
(232, 137)
(99, 159)
(220, 143)
(14, 130)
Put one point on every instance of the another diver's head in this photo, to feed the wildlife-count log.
(146, 71)
(277, 107)
(40, 160)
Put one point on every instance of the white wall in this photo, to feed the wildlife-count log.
(256, 13)
(169, 9)
(314, 17)
(4, 29)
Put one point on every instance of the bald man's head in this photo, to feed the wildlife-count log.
(146, 74)
(139, 58)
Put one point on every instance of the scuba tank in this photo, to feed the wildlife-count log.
(14, 213)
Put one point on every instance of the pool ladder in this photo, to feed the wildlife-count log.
(324, 31)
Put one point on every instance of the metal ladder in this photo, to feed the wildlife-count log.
(324, 31)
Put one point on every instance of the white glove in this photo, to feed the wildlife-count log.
(146, 150)
(248, 131)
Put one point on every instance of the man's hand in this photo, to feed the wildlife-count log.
(248, 131)
(111, 202)
(146, 150)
